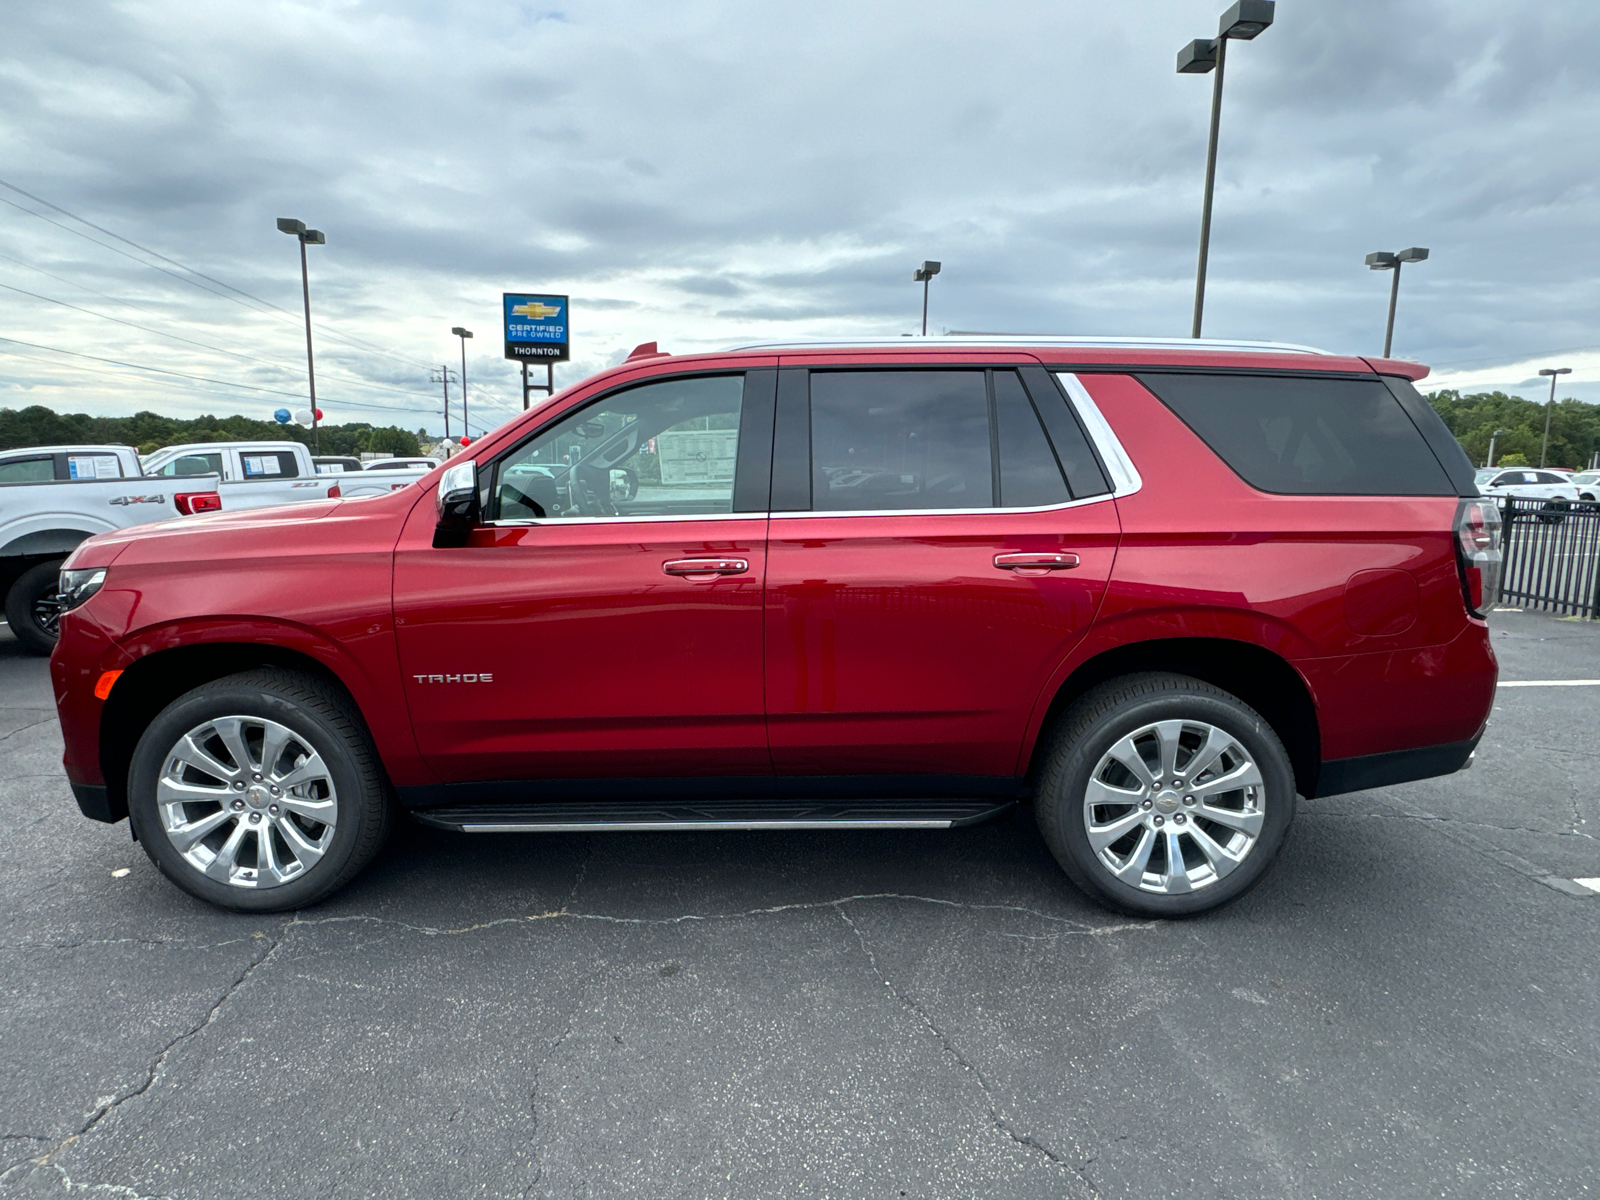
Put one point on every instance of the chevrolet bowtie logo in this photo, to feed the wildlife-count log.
(535, 310)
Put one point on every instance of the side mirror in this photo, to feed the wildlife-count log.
(458, 504)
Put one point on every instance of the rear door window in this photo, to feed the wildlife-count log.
(887, 440)
(1030, 477)
(93, 466)
(269, 464)
(1307, 436)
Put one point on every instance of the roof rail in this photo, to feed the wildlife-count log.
(1041, 339)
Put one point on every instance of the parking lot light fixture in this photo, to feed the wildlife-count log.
(1382, 260)
(922, 275)
(307, 237)
(1245, 21)
(463, 334)
(1549, 407)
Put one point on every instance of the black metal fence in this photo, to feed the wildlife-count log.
(1552, 556)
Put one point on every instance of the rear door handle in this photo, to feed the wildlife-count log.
(703, 570)
(1035, 564)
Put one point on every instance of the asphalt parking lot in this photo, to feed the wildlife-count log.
(1408, 1006)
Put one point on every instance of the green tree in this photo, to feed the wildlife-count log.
(1475, 418)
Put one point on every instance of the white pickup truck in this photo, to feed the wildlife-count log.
(52, 498)
(261, 474)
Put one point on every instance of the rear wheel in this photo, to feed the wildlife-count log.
(259, 792)
(33, 607)
(1164, 796)
(1553, 512)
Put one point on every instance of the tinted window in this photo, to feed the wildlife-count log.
(269, 464)
(1551, 477)
(1332, 437)
(194, 464)
(1029, 474)
(28, 470)
(1084, 474)
(1511, 477)
(663, 449)
(900, 440)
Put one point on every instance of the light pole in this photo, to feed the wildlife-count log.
(1492, 437)
(1244, 21)
(1550, 405)
(463, 334)
(1382, 260)
(921, 275)
(312, 237)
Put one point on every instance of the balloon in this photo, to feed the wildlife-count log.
(465, 440)
(319, 414)
(281, 416)
(303, 416)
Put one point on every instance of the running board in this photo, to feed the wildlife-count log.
(643, 816)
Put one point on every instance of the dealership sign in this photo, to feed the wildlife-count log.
(536, 328)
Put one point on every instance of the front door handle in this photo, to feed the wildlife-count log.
(704, 570)
(1035, 564)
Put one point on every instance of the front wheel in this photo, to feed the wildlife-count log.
(33, 608)
(1164, 796)
(259, 792)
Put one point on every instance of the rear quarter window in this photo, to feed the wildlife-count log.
(1307, 436)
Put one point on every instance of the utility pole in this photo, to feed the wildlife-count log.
(443, 377)
(1550, 407)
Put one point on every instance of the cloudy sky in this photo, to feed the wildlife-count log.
(705, 173)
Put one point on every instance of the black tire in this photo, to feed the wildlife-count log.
(318, 714)
(34, 592)
(1105, 715)
(1553, 512)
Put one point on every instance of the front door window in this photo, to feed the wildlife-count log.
(663, 449)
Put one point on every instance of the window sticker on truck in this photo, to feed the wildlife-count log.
(261, 464)
(93, 466)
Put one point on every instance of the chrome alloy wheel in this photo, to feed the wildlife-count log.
(247, 802)
(1174, 807)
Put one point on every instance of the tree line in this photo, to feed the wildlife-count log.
(1574, 428)
(148, 432)
(1473, 418)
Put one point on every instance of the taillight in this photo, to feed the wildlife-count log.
(190, 503)
(334, 493)
(1479, 553)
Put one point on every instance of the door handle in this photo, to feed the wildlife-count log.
(703, 570)
(1035, 564)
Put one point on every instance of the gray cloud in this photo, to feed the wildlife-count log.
(705, 173)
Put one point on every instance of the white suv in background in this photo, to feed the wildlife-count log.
(1530, 483)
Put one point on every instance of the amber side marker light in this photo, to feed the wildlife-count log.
(105, 683)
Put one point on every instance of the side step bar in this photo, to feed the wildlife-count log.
(640, 816)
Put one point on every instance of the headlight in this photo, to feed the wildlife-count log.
(77, 586)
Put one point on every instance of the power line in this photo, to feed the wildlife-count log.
(278, 309)
(225, 383)
(190, 341)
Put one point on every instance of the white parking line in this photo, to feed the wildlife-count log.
(1550, 683)
(1592, 884)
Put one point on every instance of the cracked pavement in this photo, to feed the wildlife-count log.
(1406, 1006)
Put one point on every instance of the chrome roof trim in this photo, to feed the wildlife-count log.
(1023, 341)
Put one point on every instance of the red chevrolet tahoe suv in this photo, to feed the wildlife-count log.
(1153, 590)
